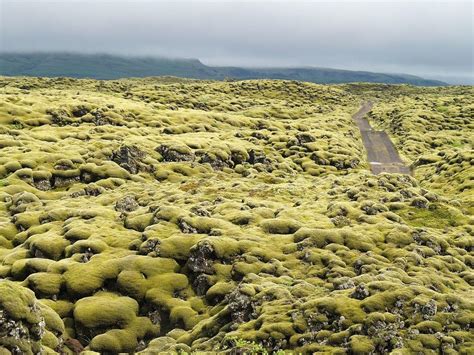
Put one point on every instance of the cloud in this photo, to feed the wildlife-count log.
(424, 37)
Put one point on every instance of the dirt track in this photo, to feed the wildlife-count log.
(381, 153)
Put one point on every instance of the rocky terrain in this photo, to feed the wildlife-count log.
(171, 215)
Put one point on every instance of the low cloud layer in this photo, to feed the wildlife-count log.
(428, 38)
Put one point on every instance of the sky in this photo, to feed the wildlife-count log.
(429, 38)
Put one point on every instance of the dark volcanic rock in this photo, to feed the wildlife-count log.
(175, 154)
(429, 310)
(129, 158)
(241, 306)
(201, 258)
(186, 227)
(126, 204)
(256, 157)
(42, 184)
(150, 246)
(201, 284)
(360, 292)
(305, 138)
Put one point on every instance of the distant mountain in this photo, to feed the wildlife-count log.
(105, 66)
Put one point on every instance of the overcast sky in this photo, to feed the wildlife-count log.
(428, 38)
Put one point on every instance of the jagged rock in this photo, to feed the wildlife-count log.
(79, 111)
(200, 211)
(240, 306)
(88, 253)
(259, 135)
(257, 157)
(216, 162)
(238, 157)
(60, 182)
(186, 227)
(150, 246)
(42, 184)
(201, 258)
(99, 119)
(429, 309)
(89, 190)
(420, 202)
(129, 158)
(154, 316)
(59, 117)
(176, 154)
(360, 292)
(406, 194)
(343, 283)
(341, 221)
(141, 345)
(305, 138)
(87, 177)
(201, 284)
(275, 345)
(37, 253)
(372, 208)
(126, 204)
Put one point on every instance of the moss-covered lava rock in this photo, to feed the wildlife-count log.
(169, 215)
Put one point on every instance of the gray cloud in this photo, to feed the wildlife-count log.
(421, 37)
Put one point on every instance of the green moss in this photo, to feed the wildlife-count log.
(439, 216)
(84, 279)
(29, 326)
(139, 222)
(178, 246)
(429, 327)
(114, 341)
(342, 306)
(255, 217)
(163, 296)
(105, 310)
(61, 307)
(361, 344)
(94, 246)
(184, 315)
(219, 290)
(166, 344)
(241, 218)
(24, 267)
(49, 245)
(18, 302)
(45, 283)
(205, 225)
(280, 226)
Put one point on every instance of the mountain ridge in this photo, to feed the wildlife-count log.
(108, 66)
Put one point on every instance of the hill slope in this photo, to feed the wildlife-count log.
(114, 67)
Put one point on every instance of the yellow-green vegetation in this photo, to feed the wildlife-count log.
(164, 215)
(434, 131)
